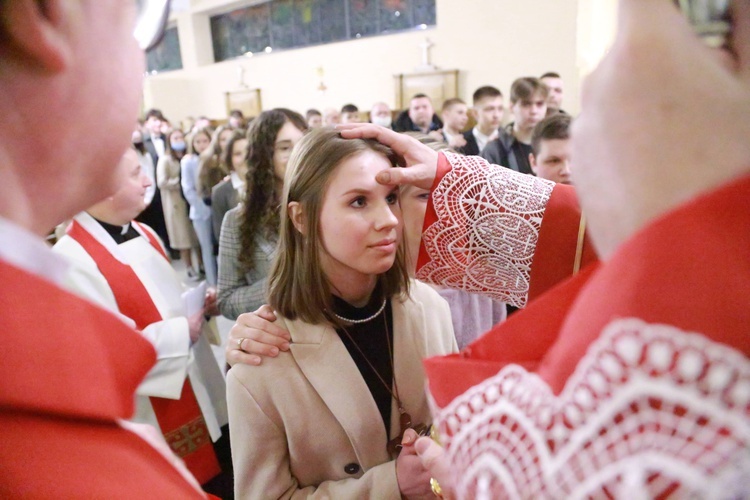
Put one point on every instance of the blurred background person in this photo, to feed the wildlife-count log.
(199, 213)
(168, 178)
(249, 233)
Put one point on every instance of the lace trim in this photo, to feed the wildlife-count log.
(487, 229)
(651, 411)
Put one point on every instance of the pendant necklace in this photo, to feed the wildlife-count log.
(394, 445)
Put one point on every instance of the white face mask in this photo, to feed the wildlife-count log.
(383, 121)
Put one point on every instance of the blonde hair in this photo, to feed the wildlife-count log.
(298, 288)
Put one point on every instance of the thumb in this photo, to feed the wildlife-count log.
(434, 460)
(418, 175)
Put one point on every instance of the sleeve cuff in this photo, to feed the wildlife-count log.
(430, 216)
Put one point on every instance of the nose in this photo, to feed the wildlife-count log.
(145, 180)
(566, 168)
(386, 217)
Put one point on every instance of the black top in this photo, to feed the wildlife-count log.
(371, 339)
(120, 234)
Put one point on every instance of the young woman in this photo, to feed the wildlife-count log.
(210, 169)
(322, 418)
(228, 193)
(249, 232)
(200, 213)
(180, 230)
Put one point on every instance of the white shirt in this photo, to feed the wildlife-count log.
(482, 139)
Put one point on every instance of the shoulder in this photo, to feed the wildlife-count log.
(255, 379)
(73, 251)
(427, 297)
(221, 188)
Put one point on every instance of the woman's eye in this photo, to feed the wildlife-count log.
(358, 202)
(392, 198)
(424, 196)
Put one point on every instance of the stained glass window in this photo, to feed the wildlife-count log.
(285, 24)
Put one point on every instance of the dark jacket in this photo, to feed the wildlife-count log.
(404, 124)
(504, 151)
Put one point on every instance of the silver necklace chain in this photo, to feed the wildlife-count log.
(364, 320)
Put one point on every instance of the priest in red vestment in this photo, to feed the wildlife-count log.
(70, 88)
(122, 265)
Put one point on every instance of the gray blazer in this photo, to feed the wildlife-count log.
(223, 198)
(240, 292)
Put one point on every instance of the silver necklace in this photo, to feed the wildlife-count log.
(364, 320)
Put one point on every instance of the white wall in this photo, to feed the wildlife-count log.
(491, 42)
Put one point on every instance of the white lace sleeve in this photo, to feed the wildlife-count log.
(487, 229)
(650, 412)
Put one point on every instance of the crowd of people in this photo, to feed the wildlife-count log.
(363, 262)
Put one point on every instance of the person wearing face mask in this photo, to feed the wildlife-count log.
(380, 114)
(181, 234)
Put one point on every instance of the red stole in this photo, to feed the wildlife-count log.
(181, 420)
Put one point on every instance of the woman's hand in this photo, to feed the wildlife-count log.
(254, 335)
(413, 479)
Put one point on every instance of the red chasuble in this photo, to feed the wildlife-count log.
(631, 380)
(69, 372)
(181, 420)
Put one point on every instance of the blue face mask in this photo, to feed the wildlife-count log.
(178, 146)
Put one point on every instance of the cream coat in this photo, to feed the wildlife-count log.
(298, 420)
(176, 359)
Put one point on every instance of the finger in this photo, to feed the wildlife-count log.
(399, 143)
(418, 175)
(251, 346)
(434, 460)
(235, 356)
(251, 326)
(409, 437)
(269, 339)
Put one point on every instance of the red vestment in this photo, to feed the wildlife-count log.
(631, 379)
(69, 372)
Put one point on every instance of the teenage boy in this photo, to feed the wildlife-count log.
(511, 149)
(455, 116)
(550, 149)
(554, 82)
(488, 111)
(350, 114)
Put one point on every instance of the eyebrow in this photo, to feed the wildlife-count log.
(364, 191)
(284, 141)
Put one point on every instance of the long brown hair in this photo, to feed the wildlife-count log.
(298, 288)
(260, 215)
(210, 170)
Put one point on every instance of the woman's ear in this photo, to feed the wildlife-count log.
(294, 209)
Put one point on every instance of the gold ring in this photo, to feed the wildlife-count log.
(436, 489)
(239, 343)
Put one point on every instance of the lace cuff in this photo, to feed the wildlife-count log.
(483, 230)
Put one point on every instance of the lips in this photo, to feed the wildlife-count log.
(386, 245)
